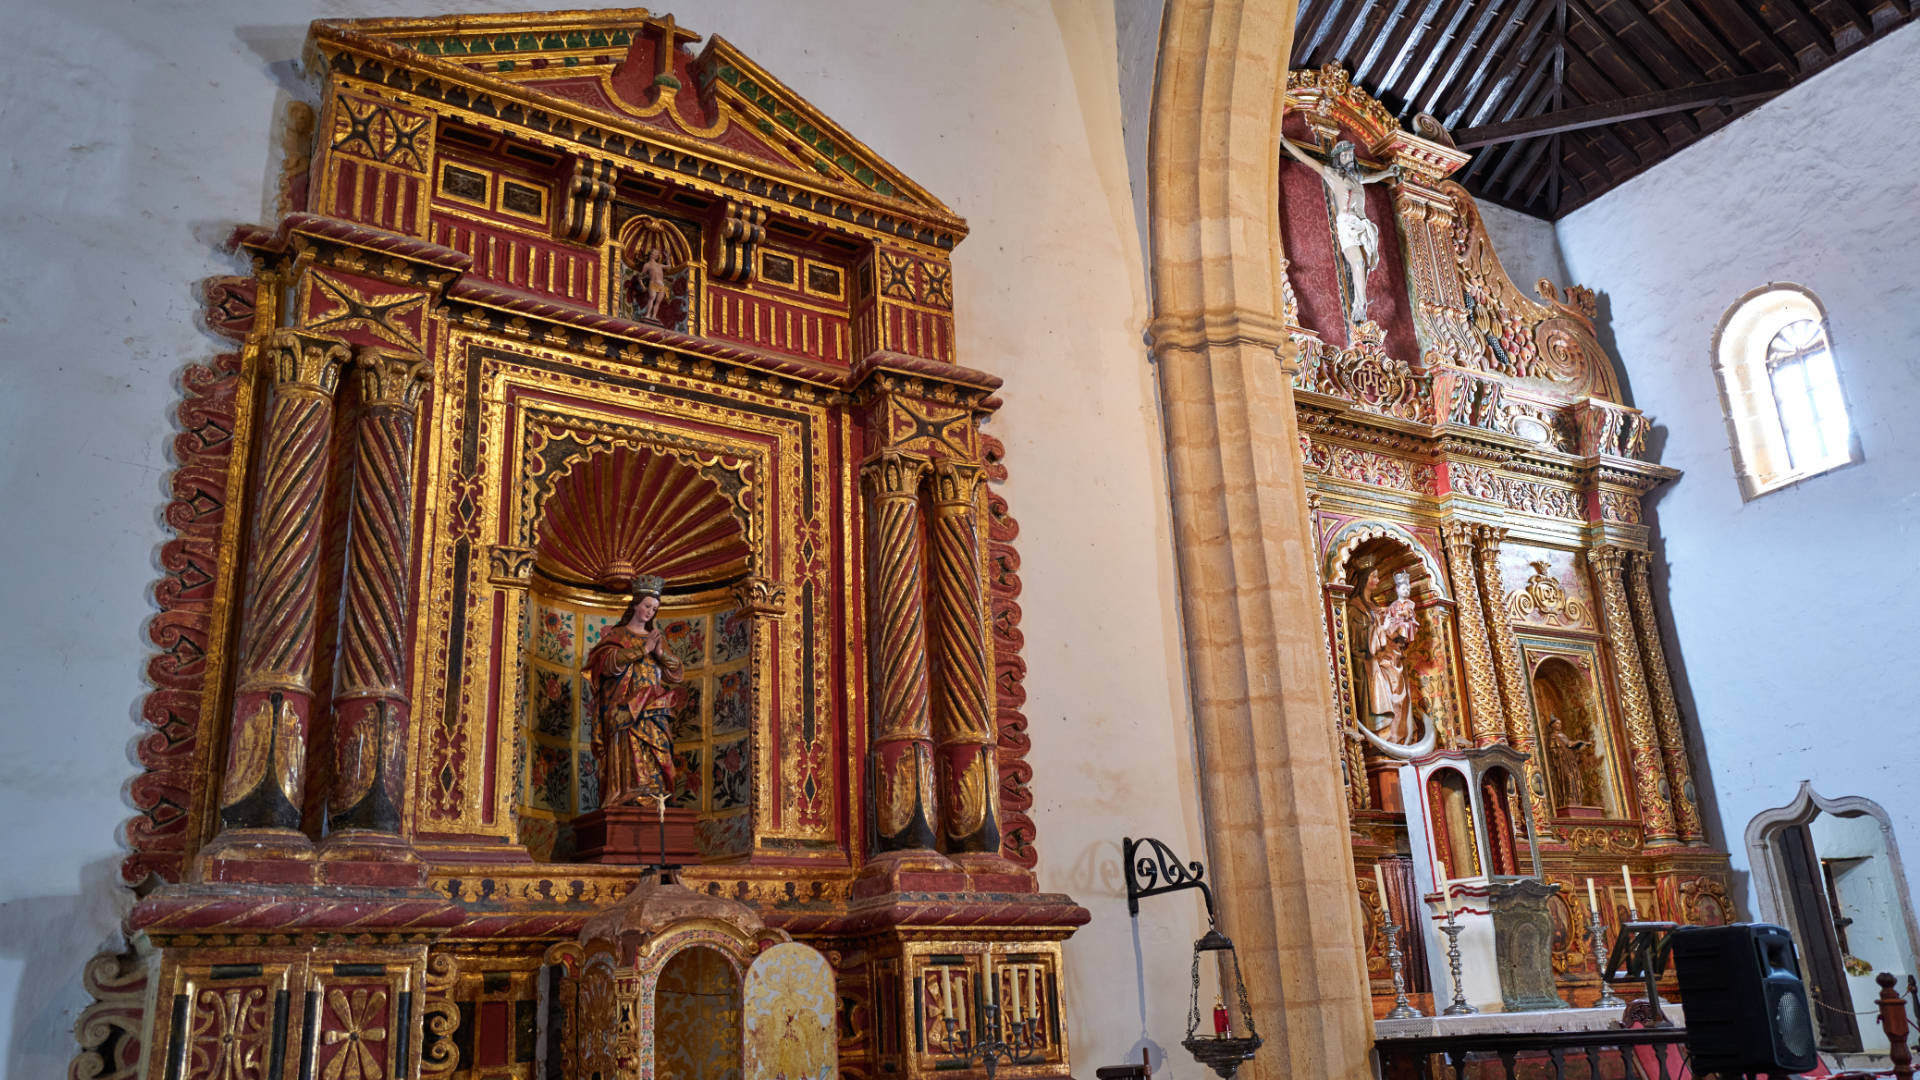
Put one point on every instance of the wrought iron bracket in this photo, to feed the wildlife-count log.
(1158, 870)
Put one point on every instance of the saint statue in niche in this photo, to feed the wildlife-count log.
(1391, 627)
(1359, 237)
(635, 692)
(1573, 765)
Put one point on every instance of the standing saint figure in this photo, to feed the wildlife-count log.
(1359, 237)
(1390, 629)
(1571, 761)
(654, 275)
(635, 694)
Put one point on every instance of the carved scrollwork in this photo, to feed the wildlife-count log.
(1365, 374)
(440, 1018)
(1543, 600)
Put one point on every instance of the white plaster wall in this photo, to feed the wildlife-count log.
(1866, 894)
(136, 134)
(1792, 613)
(1528, 247)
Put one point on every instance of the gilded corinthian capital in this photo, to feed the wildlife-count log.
(303, 360)
(390, 376)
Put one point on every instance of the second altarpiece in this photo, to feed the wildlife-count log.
(594, 485)
(1475, 482)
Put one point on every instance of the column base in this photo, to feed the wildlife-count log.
(363, 857)
(991, 872)
(257, 856)
(911, 870)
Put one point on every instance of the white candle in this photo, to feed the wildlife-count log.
(1593, 904)
(946, 993)
(1033, 997)
(1627, 879)
(1017, 1014)
(1380, 887)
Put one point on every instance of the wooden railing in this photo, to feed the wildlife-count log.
(1653, 1053)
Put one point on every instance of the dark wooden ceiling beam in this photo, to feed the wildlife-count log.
(1455, 55)
(1856, 15)
(1351, 26)
(1710, 38)
(1469, 100)
(1606, 89)
(1676, 55)
(1756, 30)
(1427, 44)
(1726, 91)
(1387, 39)
(1623, 53)
(1314, 28)
(1520, 159)
(1815, 30)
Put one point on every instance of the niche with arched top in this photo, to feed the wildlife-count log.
(1426, 665)
(613, 514)
(696, 1017)
(1451, 805)
(1574, 741)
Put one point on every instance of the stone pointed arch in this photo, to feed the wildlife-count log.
(1279, 850)
(1769, 888)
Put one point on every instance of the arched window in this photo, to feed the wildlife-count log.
(1780, 387)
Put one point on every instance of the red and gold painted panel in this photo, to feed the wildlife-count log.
(559, 307)
(1470, 436)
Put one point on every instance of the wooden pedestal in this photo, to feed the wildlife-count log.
(630, 836)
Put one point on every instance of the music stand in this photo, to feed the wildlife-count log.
(1641, 951)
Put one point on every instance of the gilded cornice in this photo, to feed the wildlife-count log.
(578, 130)
(306, 239)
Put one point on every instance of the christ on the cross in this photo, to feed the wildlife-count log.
(1359, 237)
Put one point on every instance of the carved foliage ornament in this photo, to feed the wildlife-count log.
(1543, 600)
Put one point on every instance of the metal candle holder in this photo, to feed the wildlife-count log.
(1402, 1008)
(1018, 1043)
(1460, 1007)
(1608, 999)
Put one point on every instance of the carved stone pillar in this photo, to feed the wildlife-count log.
(902, 748)
(1511, 667)
(1485, 718)
(962, 664)
(1666, 711)
(372, 710)
(1636, 705)
(261, 794)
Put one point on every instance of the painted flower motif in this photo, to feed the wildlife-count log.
(360, 1021)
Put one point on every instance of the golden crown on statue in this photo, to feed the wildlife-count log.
(648, 585)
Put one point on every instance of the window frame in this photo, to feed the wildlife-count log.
(1750, 400)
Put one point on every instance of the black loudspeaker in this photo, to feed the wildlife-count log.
(1747, 1010)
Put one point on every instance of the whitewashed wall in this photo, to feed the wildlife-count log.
(137, 134)
(1528, 247)
(1793, 613)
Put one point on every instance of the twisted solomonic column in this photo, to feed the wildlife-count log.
(371, 708)
(901, 757)
(1636, 705)
(1666, 710)
(261, 794)
(965, 742)
(1484, 715)
(1511, 667)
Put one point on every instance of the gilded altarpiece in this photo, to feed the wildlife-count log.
(1468, 449)
(560, 314)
